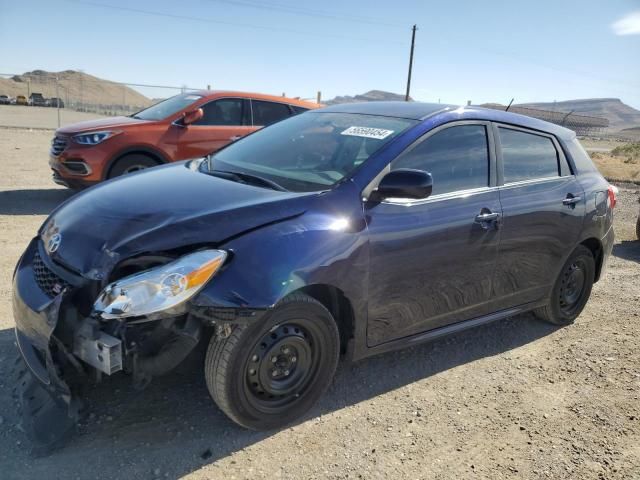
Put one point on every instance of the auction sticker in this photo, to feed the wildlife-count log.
(367, 132)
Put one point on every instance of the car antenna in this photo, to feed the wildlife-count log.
(509, 106)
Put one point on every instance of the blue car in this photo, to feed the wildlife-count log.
(354, 229)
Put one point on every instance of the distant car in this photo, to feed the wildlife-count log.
(4, 100)
(21, 100)
(185, 126)
(37, 100)
(353, 229)
(55, 102)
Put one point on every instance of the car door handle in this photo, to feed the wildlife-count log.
(571, 200)
(485, 218)
(235, 137)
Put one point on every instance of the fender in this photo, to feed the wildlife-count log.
(320, 247)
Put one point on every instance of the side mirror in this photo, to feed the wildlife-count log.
(192, 116)
(403, 183)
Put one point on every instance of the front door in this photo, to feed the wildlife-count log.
(432, 260)
(224, 121)
(543, 207)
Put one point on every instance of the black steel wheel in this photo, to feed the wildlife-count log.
(571, 290)
(267, 374)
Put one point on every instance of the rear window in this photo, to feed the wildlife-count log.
(266, 113)
(527, 156)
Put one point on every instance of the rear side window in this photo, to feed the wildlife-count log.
(297, 110)
(457, 158)
(226, 112)
(266, 113)
(526, 156)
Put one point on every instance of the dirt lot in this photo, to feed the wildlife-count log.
(517, 399)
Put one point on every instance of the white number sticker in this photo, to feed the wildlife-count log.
(367, 132)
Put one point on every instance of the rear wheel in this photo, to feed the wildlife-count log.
(131, 163)
(267, 374)
(571, 290)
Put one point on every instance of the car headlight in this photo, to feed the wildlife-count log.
(159, 288)
(93, 138)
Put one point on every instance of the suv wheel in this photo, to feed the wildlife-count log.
(267, 374)
(131, 163)
(571, 290)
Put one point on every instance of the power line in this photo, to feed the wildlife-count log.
(234, 24)
(308, 12)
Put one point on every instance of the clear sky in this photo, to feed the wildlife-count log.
(483, 51)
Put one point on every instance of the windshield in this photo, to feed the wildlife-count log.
(167, 107)
(309, 152)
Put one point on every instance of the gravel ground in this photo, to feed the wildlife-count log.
(516, 399)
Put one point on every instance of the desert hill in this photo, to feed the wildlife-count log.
(74, 88)
(619, 114)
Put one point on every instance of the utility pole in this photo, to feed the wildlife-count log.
(413, 42)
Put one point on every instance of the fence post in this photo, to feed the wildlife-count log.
(319, 97)
(58, 99)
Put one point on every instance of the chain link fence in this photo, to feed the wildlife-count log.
(82, 92)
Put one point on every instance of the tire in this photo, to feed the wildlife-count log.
(131, 163)
(638, 228)
(571, 290)
(268, 374)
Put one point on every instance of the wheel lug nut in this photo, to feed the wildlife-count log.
(294, 359)
(274, 373)
(274, 359)
(254, 358)
(285, 350)
(252, 372)
(286, 372)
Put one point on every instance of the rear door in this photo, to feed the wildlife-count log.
(224, 121)
(543, 209)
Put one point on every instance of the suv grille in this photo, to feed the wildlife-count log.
(48, 281)
(58, 145)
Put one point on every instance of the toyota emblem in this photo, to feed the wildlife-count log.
(54, 242)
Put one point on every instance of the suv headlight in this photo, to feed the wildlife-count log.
(93, 138)
(159, 288)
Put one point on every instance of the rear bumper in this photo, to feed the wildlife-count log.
(607, 247)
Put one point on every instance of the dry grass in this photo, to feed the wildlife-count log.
(621, 164)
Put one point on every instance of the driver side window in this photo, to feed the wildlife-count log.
(226, 112)
(457, 158)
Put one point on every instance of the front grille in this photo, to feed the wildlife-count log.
(48, 281)
(58, 145)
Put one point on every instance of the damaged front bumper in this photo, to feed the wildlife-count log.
(64, 346)
(49, 410)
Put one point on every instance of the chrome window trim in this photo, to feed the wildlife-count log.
(410, 202)
(536, 180)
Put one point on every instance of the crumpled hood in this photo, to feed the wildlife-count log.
(99, 124)
(160, 209)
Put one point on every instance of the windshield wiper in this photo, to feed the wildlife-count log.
(247, 178)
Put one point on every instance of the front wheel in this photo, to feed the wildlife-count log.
(131, 163)
(267, 374)
(571, 290)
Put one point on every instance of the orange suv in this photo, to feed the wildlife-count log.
(185, 126)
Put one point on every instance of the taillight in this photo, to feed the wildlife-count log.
(613, 195)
